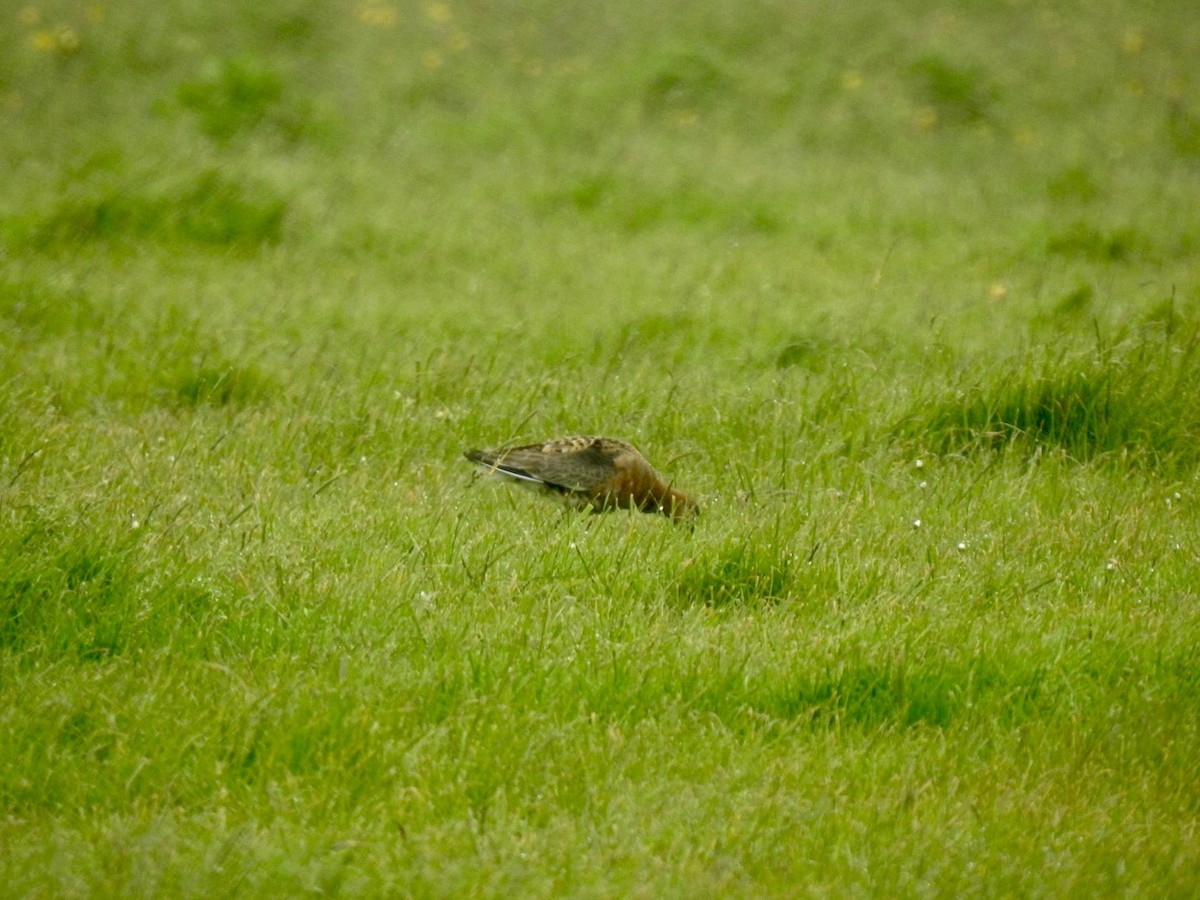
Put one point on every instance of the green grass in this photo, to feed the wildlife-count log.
(1130, 403)
(906, 296)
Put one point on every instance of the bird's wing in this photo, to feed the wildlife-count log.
(570, 464)
(577, 469)
(515, 463)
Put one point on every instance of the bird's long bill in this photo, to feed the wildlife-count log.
(680, 507)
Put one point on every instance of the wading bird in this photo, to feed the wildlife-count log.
(589, 472)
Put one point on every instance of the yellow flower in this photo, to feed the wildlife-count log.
(998, 291)
(376, 14)
(927, 118)
(438, 12)
(459, 42)
(431, 59)
(29, 16)
(851, 80)
(1133, 41)
(43, 41)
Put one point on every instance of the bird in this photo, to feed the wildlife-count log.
(595, 473)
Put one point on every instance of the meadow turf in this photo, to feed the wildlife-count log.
(907, 295)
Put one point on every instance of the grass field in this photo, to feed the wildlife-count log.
(908, 295)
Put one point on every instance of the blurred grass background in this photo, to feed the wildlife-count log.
(907, 295)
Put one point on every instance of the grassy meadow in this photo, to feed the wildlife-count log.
(907, 294)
